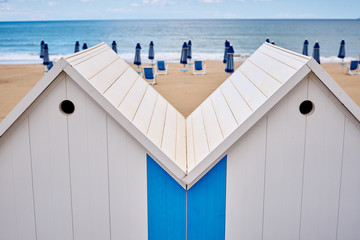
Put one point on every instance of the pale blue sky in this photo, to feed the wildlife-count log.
(19, 10)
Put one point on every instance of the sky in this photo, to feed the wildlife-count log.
(38, 10)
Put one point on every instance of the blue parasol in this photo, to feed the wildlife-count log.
(77, 47)
(46, 60)
(305, 48)
(267, 40)
(137, 59)
(227, 45)
(272, 42)
(189, 50)
(342, 50)
(151, 51)
(183, 59)
(42, 49)
(316, 52)
(84, 47)
(114, 46)
(230, 60)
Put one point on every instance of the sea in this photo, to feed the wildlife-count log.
(20, 41)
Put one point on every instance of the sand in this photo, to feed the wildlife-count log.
(185, 95)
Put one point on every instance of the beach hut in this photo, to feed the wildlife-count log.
(94, 152)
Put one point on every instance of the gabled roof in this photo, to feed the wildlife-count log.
(185, 148)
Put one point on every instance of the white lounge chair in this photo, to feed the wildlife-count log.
(353, 68)
(198, 68)
(161, 69)
(149, 75)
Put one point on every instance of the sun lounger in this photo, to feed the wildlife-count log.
(352, 69)
(161, 69)
(198, 68)
(149, 75)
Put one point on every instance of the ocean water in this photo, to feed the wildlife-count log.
(20, 41)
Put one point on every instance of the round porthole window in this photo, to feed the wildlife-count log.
(306, 107)
(67, 107)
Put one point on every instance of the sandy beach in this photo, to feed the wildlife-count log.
(185, 95)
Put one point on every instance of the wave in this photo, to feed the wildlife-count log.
(32, 58)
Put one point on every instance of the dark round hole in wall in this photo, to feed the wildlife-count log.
(306, 107)
(67, 106)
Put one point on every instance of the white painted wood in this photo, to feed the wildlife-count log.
(89, 166)
(245, 186)
(117, 92)
(283, 51)
(201, 146)
(17, 219)
(190, 151)
(168, 144)
(104, 79)
(272, 66)
(180, 157)
(251, 94)
(212, 127)
(239, 108)
(224, 115)
(349, 208)
(144, 113)
(93, 65)
(295, 63)
(322, 170)
(127, 185)
(50, 166)
(264, 82)
(73, 58)
(156, 128)
(284, 166)
(131, 103)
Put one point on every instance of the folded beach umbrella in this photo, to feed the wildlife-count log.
(77, 47)
(227, 45)
(305, 48)
(137, 59)
(84, 47)
(342, 50)
(46, 60)
(189, 50)
(230, 60)
(183, 59)
(42, 49)
(267, 40)
(114, 46)
(316, 52)
(151, 51)
(272, 42)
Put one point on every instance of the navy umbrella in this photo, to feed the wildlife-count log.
(114, 46)
(272, 42)
(305, 48)
(46, 60)
(137, 59)
(316, 52)
(189, 50)
(227, 45)
(151, 51)
(342, 50)
(84, 47)
(77, 47)
(267, 40)
(183, 59)
(230, 60)
(42, 49)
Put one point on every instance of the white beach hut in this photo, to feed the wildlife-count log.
(94, 152)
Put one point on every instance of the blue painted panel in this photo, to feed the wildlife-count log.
(166, 205)
(206, 205)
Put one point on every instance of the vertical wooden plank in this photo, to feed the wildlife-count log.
(50, 164)
(349, 209)
(206, 205)
(156, 128)
(201, 146)
(245, 185)
(323, 158)
(168, 144)
(166, 205)
(180, 157)
(284, 166)
(127, 185)
(89, 168)
(190, 151)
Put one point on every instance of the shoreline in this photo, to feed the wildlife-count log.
(16, 80)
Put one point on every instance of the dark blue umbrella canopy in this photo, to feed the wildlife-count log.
(272, 42)
(305, 48)
(189, 50)
(77, 47)
(46, 60)
(230, 60)
(42, 49)
(137, 59)
(151, 51)
(267, 40)
(316, 52)
(342, 49)
(183, 59)
(227, 45)
(114, 46)
(84, 47)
